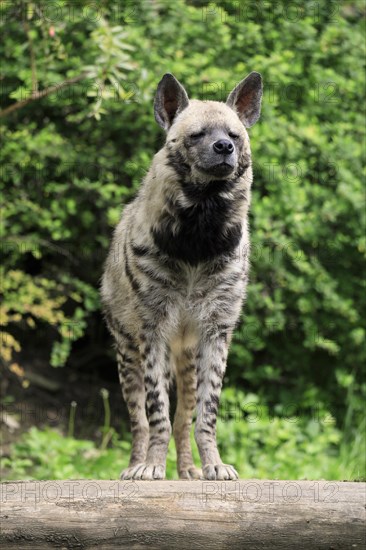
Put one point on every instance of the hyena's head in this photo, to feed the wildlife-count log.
(207, 140)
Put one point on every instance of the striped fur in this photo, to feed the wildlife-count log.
(175, 279)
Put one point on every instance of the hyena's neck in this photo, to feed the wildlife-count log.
(191, 221)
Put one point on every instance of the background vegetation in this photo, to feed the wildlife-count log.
(78, 133)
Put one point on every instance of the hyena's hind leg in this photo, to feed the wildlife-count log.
(131, 377)
(186, 402)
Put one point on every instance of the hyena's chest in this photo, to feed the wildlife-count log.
(201, 232)
(202, 298)
(202, 306)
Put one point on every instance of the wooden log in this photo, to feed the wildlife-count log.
(209, 515)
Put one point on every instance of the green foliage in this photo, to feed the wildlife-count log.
(72, 159)
(282, 443)
(264, 446)
(49, 455)
(38, 299)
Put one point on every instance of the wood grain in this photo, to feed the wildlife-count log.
(209, 515)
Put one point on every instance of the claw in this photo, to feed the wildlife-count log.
(191, 473)
(144, 471)
(219, 472)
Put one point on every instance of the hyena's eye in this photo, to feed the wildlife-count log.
(197, 135)
(233, 135)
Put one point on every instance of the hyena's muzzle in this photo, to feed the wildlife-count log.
(215, 152)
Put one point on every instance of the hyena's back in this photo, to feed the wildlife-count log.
(175, 279)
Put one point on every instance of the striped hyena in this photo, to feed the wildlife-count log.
(176, 275)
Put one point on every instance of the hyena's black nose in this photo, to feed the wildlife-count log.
(223, 147)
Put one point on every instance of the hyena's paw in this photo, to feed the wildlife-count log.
(144, 471)
(190, 472)
(219, 471)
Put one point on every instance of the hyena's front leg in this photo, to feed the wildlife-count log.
(211, 364)
(186, 403)
(132, 381)
(156, 381)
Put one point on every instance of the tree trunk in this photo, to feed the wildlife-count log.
(209, 515)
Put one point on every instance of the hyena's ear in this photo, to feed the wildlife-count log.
(246, 98)
(171, 98)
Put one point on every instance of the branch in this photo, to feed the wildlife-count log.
(43, 93)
